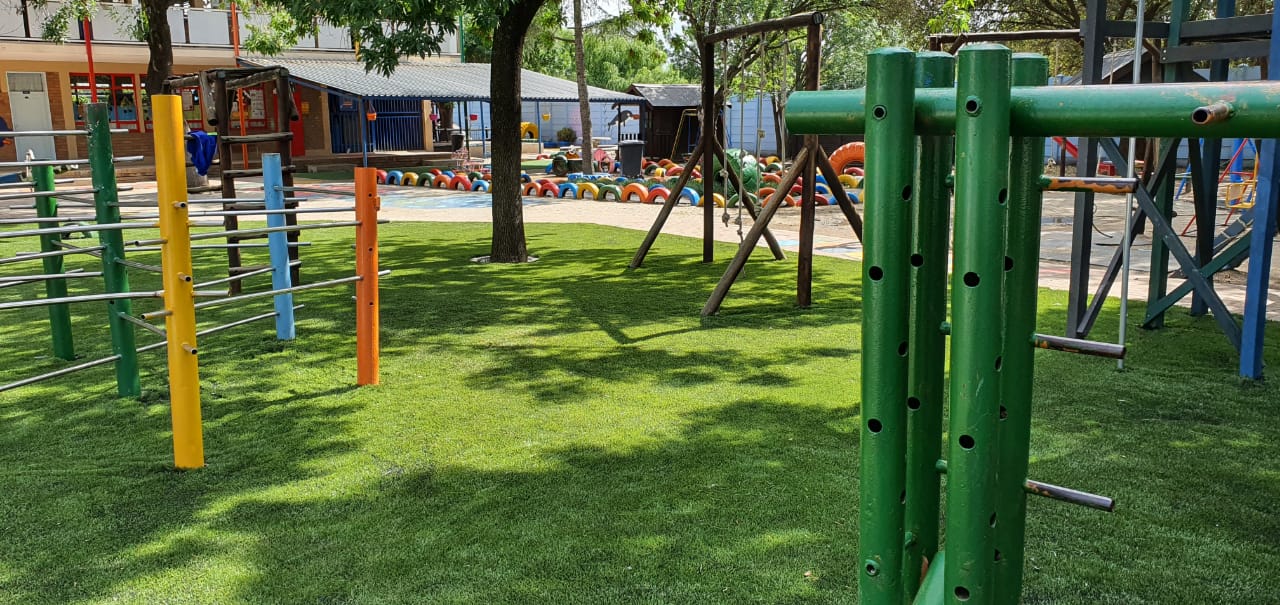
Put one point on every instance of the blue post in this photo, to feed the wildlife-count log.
(1265, 212)
(1237, 162)
(278, 245)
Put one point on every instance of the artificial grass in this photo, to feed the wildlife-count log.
(571, 432)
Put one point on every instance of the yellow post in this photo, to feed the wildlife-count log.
(179, 296)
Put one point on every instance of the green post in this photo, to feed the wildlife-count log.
(981, 188)
(926, 358)
(886, 289)
(115, 275)
(59, 315)
(1022, 255)
(1159, 280)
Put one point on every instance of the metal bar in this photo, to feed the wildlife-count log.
(886, 289)
(140, 266)
(926, 357)
(24, 304)
(32, 163)
(368, 322)
(1034, 34)
(1213, 112)
(1215, 51)
(1203, 165)
(278, 247)
(1059, 493)
(59, 315)
(224, 200)
(1094, 184)
(981, 180)
(104, 228)
(31, 184)
(206, 247)
(710, 114)
(1073, 345)
(266, 230)
(144, 325)
(41, 255)
(18, 279)
(1266, 209)
(1121, 110)
(770, 25)
(24, 195)
(45, 219)
(20, 282)
(115, 276)
(238, 277)
(273, 292)
(60, 372)
(296, 188)
(53, 133)
(179, 302)
(1221, 27)
(263, 212)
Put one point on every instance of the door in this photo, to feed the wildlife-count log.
(29, 110)
(298, 147)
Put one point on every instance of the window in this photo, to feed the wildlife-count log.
(192, 106)
(118, 91)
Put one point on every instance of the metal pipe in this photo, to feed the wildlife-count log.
(24, 304)
(1213, 112)
(277, 242)
(207, 247)
(1146, 110)
(53, 253)
(12, 284)
(53, 133)
(142, 324)
(32, 184)
(31, 163)
(47, 276)
(140, 266)
(44, 219)
(24, 195)
(226, 280)
(59, 315)
(75, 229)
(224, 200)
(1095, 184)
(296, 188)
(886, 289)
(311, 286)
(60, 372)
(1059, 493)
(1079, 345)
(265, 230)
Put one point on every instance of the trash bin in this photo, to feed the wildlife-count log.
(631, 155)
(456, 140)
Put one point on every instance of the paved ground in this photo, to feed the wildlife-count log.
(833, 235)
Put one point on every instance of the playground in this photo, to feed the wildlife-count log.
(868, 371)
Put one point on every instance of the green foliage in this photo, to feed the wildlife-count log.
(566, 135)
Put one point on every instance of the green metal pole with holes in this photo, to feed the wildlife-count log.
(1021, 268)
(981, 189)
(59, 314)
(926, 358)
(106, 203)
(886, 288)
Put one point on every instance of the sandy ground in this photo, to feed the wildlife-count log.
(833, 236)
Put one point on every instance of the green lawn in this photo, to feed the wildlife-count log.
(571, 432)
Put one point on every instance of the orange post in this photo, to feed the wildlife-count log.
(367, 324)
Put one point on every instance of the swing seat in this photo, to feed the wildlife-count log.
(1239, 195)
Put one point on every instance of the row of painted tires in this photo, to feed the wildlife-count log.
(653, 195)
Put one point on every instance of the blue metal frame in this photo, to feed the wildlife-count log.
(1265, 212)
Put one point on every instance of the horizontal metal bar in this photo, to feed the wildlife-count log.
(239, 277)
(317, 190)
(223, 200)
(264, 230)
(1095, 184)
(1072, 496)
(1216, 50)
(31, 184)
(1213, 112)
(207, 247)
(49, 276)
(1151, 110)
(59, 372)
(143, 324)
(48, 219)
(19, 283)
(53, 133)
(76, 229)
(41, 302)
(140, 266)
(1242, 27)
(205, 224)
(1079, 345)
(265, 212)
(39, 255)
(24, 195)
(253, 295)
(29, 163)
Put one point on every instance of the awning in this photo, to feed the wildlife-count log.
(430, 81)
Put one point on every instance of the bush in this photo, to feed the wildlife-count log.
(567, 135)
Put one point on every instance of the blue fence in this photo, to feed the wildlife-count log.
(398, 126)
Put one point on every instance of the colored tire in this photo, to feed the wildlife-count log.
(382, 177)
(393, 177)
(584, 188)
(637, 189)
(847, 154)
(440, 182)
(549, 188)
(480, 185)
(689, 194)
(606, 190)
(655, 192)
(460, 183)
(570, 189)
(530, 189)
(770, 178)
(849, 181)
(410, 179)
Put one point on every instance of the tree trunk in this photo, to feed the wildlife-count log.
(584, 100)
(508, 245)
(159, 42)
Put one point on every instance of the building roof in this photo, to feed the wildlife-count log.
(432, 81)
(669, 95)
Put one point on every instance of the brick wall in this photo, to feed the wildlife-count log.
(313, 121)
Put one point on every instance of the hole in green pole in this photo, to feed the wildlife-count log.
(1008, 264)
(917, 260)
(962, 593)
(913, 403)
(875, 273)
(906, 193)
(879, 112)
(972, 106)
(1003, 196)
(966, 442)
(874, 425)
(971, 279)
(902, 349)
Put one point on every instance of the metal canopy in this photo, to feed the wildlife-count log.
(431, 81)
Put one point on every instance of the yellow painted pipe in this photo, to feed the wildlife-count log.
(179, 297)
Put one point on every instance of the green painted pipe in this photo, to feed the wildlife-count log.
(933, 589)
(1147, 110)
(106, 203)
(926, 358)
(981, 190)
(1022, 255)
(886, 289)
(59, 314)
